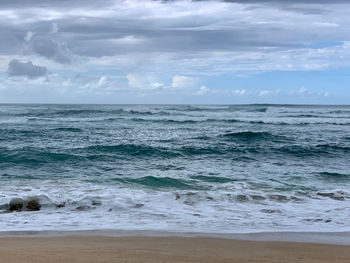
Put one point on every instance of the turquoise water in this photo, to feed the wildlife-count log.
(176, 167)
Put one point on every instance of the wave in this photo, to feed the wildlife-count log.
(327, 150)
(160, 182)
(333, 177)
(163, 121)
(131, 149)
(142, 151)
(303, 123)
(68, 129)
(6, 177)
(209, 120)
(212, 179)
(192, 151)
(340, 112)
(224, 120)
(260, 109)
(7, 135)
(88, 112)
(249, 136)
(60, 113)
(34, 156)
(305, 116)
(178, 121)
(216, 149)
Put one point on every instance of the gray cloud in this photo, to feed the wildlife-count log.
(27, 69)
(250, 33)
(49, 48)
(54, 4)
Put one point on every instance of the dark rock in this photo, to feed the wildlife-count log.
(258, 197)
(338, 198)
(16, 204)
(279, 198)
(242, 198)
(325, 194)
(335, 196)
(314, 220)
(296, 199)
(270, 211)
(83, 208)
(33, 205)
(61, 205)
(189, 202)
(95, 203)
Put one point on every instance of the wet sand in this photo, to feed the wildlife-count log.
(163, 249)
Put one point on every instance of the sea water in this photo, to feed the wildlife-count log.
(198, 168)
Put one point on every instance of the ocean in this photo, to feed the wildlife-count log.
(182, 168)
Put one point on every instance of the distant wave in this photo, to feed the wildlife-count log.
(130, 150)
(333, 176)
(68, 129)
(249, 135)
(313, 151)
(88, 112)
(211, 120)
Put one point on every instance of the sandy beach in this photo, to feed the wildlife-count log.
(163, 249)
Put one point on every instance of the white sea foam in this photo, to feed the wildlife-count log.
(72, 205)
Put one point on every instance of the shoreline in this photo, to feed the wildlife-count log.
(98, 249)
(328, 238)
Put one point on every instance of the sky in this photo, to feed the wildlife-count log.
(149, 51)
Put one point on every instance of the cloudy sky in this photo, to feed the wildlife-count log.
(133, 51)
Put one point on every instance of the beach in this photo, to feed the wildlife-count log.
(163, 249)
(174, 131)
(174, 183)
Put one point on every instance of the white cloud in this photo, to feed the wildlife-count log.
(29, 36)
(54, 28)
(156, 85)
(183, 82)
(202, 91)
(265, 93)
(143, 83)
(306, 93)
(134, 81)
(102, 81)
(239, 92)
(300, 92)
